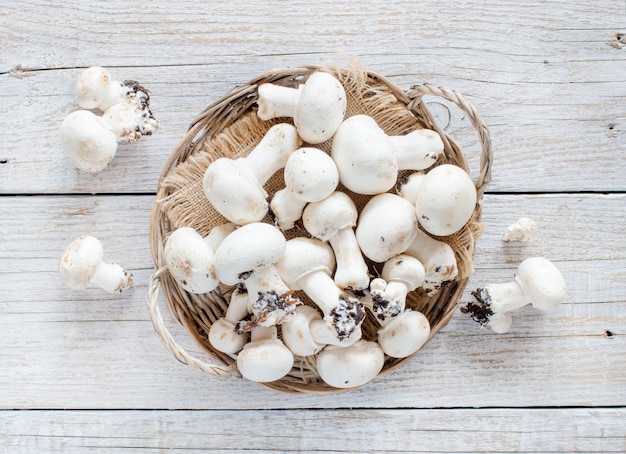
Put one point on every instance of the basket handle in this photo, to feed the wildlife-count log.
(486, 156)
(154, 286)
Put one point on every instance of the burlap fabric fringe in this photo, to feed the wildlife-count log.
(230, 128)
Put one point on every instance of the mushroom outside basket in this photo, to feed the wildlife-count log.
(230, 128)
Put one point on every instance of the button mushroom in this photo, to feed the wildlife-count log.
(81, 265)
(332, 220)
(523, 230)
(235, 187)
(405, 334)
(265, 358)
(317, 107)
(349, 367)
(94, 89)
(223, 334)
(307, 265)
(190, 260)
(310, 176)
(248, 255)
(446, 199)
(387, 226)
(537, 281)
(368, 160)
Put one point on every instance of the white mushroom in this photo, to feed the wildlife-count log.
(296, 332)
(537, 281)
(310, 176)
(332, 220)
(81, 265)
(400, 275)
(190, 260)
(446, 199)
(368, 160)
(265, 358)
(349, 367)
(386, 227)
(235, 187)
(317, 107)
(438, 259)
(94, 89)
(307, 265)
(523, 230)
(223, 334)
(403, 335)
(407, 186)
(248, 256)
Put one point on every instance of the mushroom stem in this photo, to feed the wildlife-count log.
(112, 278)
(417, 150)
(276, 101)
(287, 208)
(351, 272)
(272, 152)
(501, 298)
(223, 334)
(388, 299)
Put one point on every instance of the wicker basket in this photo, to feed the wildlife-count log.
(231, 128)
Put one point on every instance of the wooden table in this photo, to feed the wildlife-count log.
(85, 371)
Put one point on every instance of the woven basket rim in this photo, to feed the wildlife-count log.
(229, 109)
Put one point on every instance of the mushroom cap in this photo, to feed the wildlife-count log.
(349, 367)
(405, 334)
(92, 87)
(406, 269)
(324, 218)
(387, 226)
(321, 108)
(246, 249)
(296, 332)
(311, 174)
(365, 156)
(265, 360)
(446, 199)
(542, 282)
(224, 337)
(87, 141)
(303, 256)
(79, 262)
(190, 260)
(234, 192)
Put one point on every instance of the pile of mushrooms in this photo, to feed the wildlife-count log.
(308, 296)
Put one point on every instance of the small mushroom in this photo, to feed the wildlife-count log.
(307, 265)
(400, 275)
(537, 281)
(296, 332)
(387, 226)
(317, 107)
(265, 358)
(248, 255)
(446, 199)
(405, 334)
(190, 260)
(310, 176)
(368, 160)
(349, 367)
(81, 265)
(235, 187)
(332, 220)
(94, 89)
(223, 334)
(407, 186)
(523, 230)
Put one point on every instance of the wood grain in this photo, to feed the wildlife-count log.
(334, 431)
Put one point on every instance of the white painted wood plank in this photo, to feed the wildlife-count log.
(336, 431)
(63, 349)
(555, 108)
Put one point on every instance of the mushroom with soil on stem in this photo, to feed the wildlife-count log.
(265, 358)
(386, 227)
(190, 259)
(223, 334)
(307, 265)
(349, 367)
(537, 281)
(310, 176)
(317, 107)
(235, 186)
(446, 199)
(523, 230)
(81, 265)
(369, 160)
(94, 89)
(248, 256)
(332, 220)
